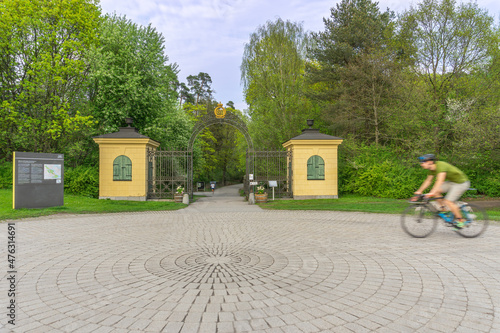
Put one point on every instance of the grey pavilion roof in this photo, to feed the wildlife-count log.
(314, 134)
(124, 133)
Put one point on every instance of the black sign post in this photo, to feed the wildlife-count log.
(38, 180)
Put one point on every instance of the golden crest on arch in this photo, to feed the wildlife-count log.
(219, 111)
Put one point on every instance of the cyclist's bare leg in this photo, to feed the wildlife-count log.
(442, 205)
(452, 206)
(442, 202)
(454, 209)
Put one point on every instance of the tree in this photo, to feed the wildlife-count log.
(230, 149)
(131, 77)
(354, 27)
(447, 42)
(184, 94)
(42, 72)
(353, 69)
(474, 117)
(368, 90)
(201, 87)
(226, 153)
(272, 72)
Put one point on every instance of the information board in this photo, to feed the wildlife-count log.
(38, 180)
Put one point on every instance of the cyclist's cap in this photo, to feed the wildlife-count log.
(427, 157)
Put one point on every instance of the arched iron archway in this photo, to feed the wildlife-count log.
(211, 119)
(220, 116)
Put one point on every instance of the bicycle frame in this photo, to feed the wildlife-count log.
(422, 226)
(447, 216)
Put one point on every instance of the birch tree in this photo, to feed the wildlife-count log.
(272, 72)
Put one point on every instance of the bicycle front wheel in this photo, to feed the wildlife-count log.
(477, 221)
(418, 221)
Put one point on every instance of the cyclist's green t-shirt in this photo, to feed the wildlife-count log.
(453, 174)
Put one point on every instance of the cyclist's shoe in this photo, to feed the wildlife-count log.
(460, 224)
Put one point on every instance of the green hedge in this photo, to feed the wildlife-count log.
(387, 179)
(486, 182)
(379, 172)
(82, 180)
(5, 174)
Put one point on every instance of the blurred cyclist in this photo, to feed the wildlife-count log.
(449, 180)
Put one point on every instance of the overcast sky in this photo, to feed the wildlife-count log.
(209, 35)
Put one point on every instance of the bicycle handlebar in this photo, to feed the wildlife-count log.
(423, 197)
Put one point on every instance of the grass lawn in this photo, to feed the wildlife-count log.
(355, 203)
(74, 204)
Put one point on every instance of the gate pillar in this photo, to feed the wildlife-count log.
(123, 164)
(314, 163)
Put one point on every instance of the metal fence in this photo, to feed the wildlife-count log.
(168, 169)
(271, 165)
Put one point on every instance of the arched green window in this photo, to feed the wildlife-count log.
(315, 168)
(122, 168)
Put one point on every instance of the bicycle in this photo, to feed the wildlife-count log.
(420, 219)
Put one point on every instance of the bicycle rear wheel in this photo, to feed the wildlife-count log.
(418, 221)
(477, 221)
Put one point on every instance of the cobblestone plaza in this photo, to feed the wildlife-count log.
(221, 265)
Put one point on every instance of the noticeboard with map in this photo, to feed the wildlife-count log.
(38, 180)
(52, 171)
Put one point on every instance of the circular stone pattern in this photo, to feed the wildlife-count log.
(220, 263)
(218, 260)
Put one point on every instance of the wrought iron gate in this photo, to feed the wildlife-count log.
(269, 165)
(168, 169)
